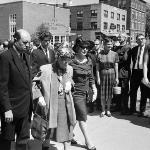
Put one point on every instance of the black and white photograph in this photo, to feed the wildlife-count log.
(74, 74)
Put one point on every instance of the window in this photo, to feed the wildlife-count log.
(112, 26)
(93, 13)
(112, 15)
(79, 25)
(133, 15)
(123, 18)
(62, 39)
(118, 16)
(118, 27)
(123, 27)
(56, 39)
(80, 13)
(12, 25)
(105, 13)
(105, 25)
(93, 25)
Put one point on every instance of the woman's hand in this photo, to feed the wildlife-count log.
(41, 101)
(146, 82)
(116, 81)
(94, 89)
(68, 87)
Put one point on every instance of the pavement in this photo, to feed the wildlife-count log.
(118, 132)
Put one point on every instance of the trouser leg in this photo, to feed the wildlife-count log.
(23, 133)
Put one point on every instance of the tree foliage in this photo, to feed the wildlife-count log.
(44, 27)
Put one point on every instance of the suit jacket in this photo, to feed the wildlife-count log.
(15, 87)
(39, 58)
(133, 54)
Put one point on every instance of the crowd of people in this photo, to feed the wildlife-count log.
(63, 80)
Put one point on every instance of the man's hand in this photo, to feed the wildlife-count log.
(8, 116)
(41, 101)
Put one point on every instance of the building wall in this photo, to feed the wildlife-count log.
(31, 15)
(132, 6)
(5, 11)
(88, 32)
(114, 20)
(36, 14)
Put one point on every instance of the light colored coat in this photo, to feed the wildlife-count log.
(49, 89)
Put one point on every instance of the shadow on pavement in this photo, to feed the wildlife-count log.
(139, 121)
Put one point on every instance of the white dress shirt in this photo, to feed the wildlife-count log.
(139, 61)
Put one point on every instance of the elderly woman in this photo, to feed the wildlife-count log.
(83, 77)
(55, 96)
(107, 74)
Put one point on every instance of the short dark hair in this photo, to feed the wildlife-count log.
(16, 36)
(107, 40)
(140, 34)
(44, 34)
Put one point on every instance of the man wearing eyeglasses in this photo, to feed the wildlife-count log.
(15, 92)
(136, 55)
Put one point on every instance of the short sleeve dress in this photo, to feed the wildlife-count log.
(83, 78)
(107, 73)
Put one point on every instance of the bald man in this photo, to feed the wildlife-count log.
(15, 93)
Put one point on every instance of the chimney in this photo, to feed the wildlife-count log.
(64, 5)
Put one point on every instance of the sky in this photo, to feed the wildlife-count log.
(74, 2)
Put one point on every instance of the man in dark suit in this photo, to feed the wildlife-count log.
(15, 93)
(136, 55)
(44, 54)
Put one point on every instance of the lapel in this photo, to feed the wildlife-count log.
(18, 64)
(28, 64)
(43, 54)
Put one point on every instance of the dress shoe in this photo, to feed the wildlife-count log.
(91, 148)
(108, 114)
(102, 114)
(74, 142)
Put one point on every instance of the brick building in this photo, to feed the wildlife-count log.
(93, 19)
(136, 11)
(29, 16)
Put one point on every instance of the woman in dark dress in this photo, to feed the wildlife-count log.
(83, 78)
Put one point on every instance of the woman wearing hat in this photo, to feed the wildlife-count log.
(107, 74)
(82, 77)
(56, 82)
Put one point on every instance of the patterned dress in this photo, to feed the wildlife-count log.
(107, 73)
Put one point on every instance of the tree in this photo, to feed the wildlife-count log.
(44, 27)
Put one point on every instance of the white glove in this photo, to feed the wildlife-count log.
(94, 93)
(41, 101)
(68, 87)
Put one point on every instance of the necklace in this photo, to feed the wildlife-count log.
(81, 61)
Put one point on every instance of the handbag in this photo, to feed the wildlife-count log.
(39, 125)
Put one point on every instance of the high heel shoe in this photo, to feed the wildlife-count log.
(90, 148)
